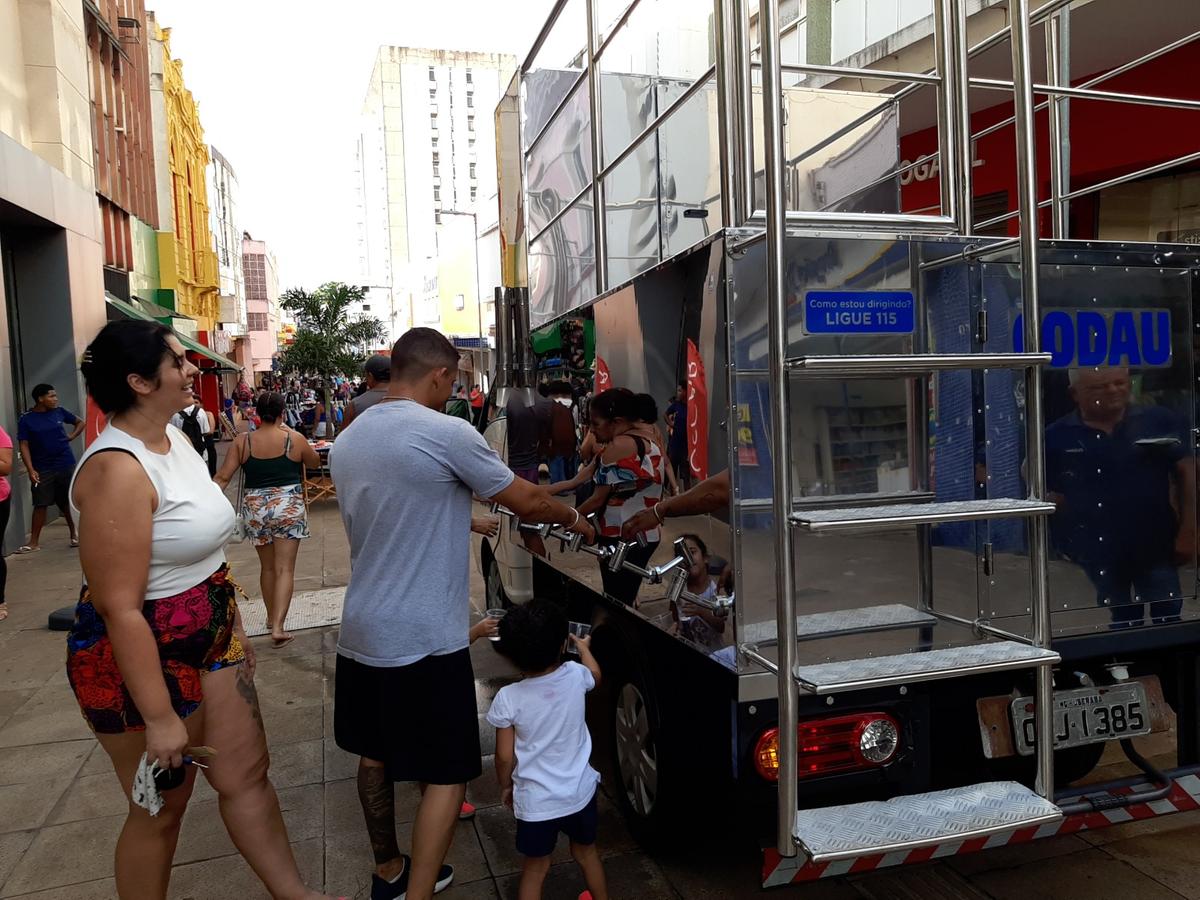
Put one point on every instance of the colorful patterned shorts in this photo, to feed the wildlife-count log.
(195, 636)
(275, 512)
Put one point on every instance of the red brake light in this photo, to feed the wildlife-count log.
(837, 744)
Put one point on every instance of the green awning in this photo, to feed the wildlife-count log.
(128, 309)
(158, 312)
(197, 347)
(132, 312)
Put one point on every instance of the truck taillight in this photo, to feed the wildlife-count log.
(838, 744)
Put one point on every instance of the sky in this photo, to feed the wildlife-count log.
(280, 85)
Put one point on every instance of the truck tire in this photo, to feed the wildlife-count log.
(637, 761)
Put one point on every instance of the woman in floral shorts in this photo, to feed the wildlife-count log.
(272, 460)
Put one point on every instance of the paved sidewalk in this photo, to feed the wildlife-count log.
(61, 808)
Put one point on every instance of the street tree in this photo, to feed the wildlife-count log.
(328, 341)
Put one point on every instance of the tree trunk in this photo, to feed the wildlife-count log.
(330, 426)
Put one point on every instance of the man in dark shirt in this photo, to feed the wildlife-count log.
(46, 451)
(527, 427)
(677, 446)
(1114, 468)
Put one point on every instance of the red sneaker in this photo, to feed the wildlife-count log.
(467, 811)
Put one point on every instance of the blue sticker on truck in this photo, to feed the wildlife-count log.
(859, 312)
(1103, 337)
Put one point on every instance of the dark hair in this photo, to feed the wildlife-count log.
(41, 390)
(560, 389)
(421, 350)
(616, 403)
(123, 348)
(697, 540)
(647, 408)
(269, 406)
(532, 635)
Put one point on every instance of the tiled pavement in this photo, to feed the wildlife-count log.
(61, 808)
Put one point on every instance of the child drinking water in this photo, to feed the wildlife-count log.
(697, 623)
(543, 745)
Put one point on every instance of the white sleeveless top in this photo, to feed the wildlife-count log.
(194, 519)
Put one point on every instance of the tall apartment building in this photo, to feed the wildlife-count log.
(427, 147)
(262, 302)
(227, 235)
(123, 143)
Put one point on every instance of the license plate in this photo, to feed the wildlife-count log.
(1086, 716)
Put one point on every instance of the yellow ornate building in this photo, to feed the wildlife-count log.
(187, 261)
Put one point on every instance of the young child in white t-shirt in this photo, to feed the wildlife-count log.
(543, 745)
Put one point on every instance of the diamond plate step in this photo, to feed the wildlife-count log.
(899, 515)
(842, 621)
(891, 365)
(920, 820)
(928, 665)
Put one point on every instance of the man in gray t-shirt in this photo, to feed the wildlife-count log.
(404, 698)
(378, 373)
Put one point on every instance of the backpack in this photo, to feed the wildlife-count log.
(192, 428)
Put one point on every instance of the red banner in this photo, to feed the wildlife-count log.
(697, 414)
(603, 379)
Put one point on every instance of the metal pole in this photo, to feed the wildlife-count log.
(1034, 415)
(1058, 72)
(946, 59)
(743, 90)
(503, 376)
(729, 114)
(781, 452)
(600, 235)
(962, 123)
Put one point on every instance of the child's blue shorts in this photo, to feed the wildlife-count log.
(538, 838)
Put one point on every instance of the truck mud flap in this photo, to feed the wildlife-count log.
(1184, 796)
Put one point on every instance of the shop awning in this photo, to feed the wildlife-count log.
(132, 312)
(127, 309)
(195, 346)
(158, 312)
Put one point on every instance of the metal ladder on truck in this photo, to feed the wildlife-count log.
(919, 820)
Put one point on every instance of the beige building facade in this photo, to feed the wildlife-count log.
(51, 250)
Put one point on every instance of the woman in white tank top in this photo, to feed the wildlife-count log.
(157, 657)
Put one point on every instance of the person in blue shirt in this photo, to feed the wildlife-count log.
(46, 452)
(1123, 478)
(676, 418)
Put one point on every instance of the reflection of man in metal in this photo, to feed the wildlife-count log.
(1124, 479)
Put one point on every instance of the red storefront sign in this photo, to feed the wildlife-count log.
(1107, 139)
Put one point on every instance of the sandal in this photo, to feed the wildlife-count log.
(27, 549)
(3, 612)
(276, 643)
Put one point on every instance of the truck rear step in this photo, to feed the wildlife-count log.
(843, 621)
(898, 515)
(927, 665)
(920, 820)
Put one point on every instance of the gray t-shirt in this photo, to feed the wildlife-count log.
(404, 477)
(367, 399)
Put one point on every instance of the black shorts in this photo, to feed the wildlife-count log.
(421, 720)
(52, 488)
(538, 838)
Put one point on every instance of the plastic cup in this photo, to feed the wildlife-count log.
(580, 630)
(496, 614)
